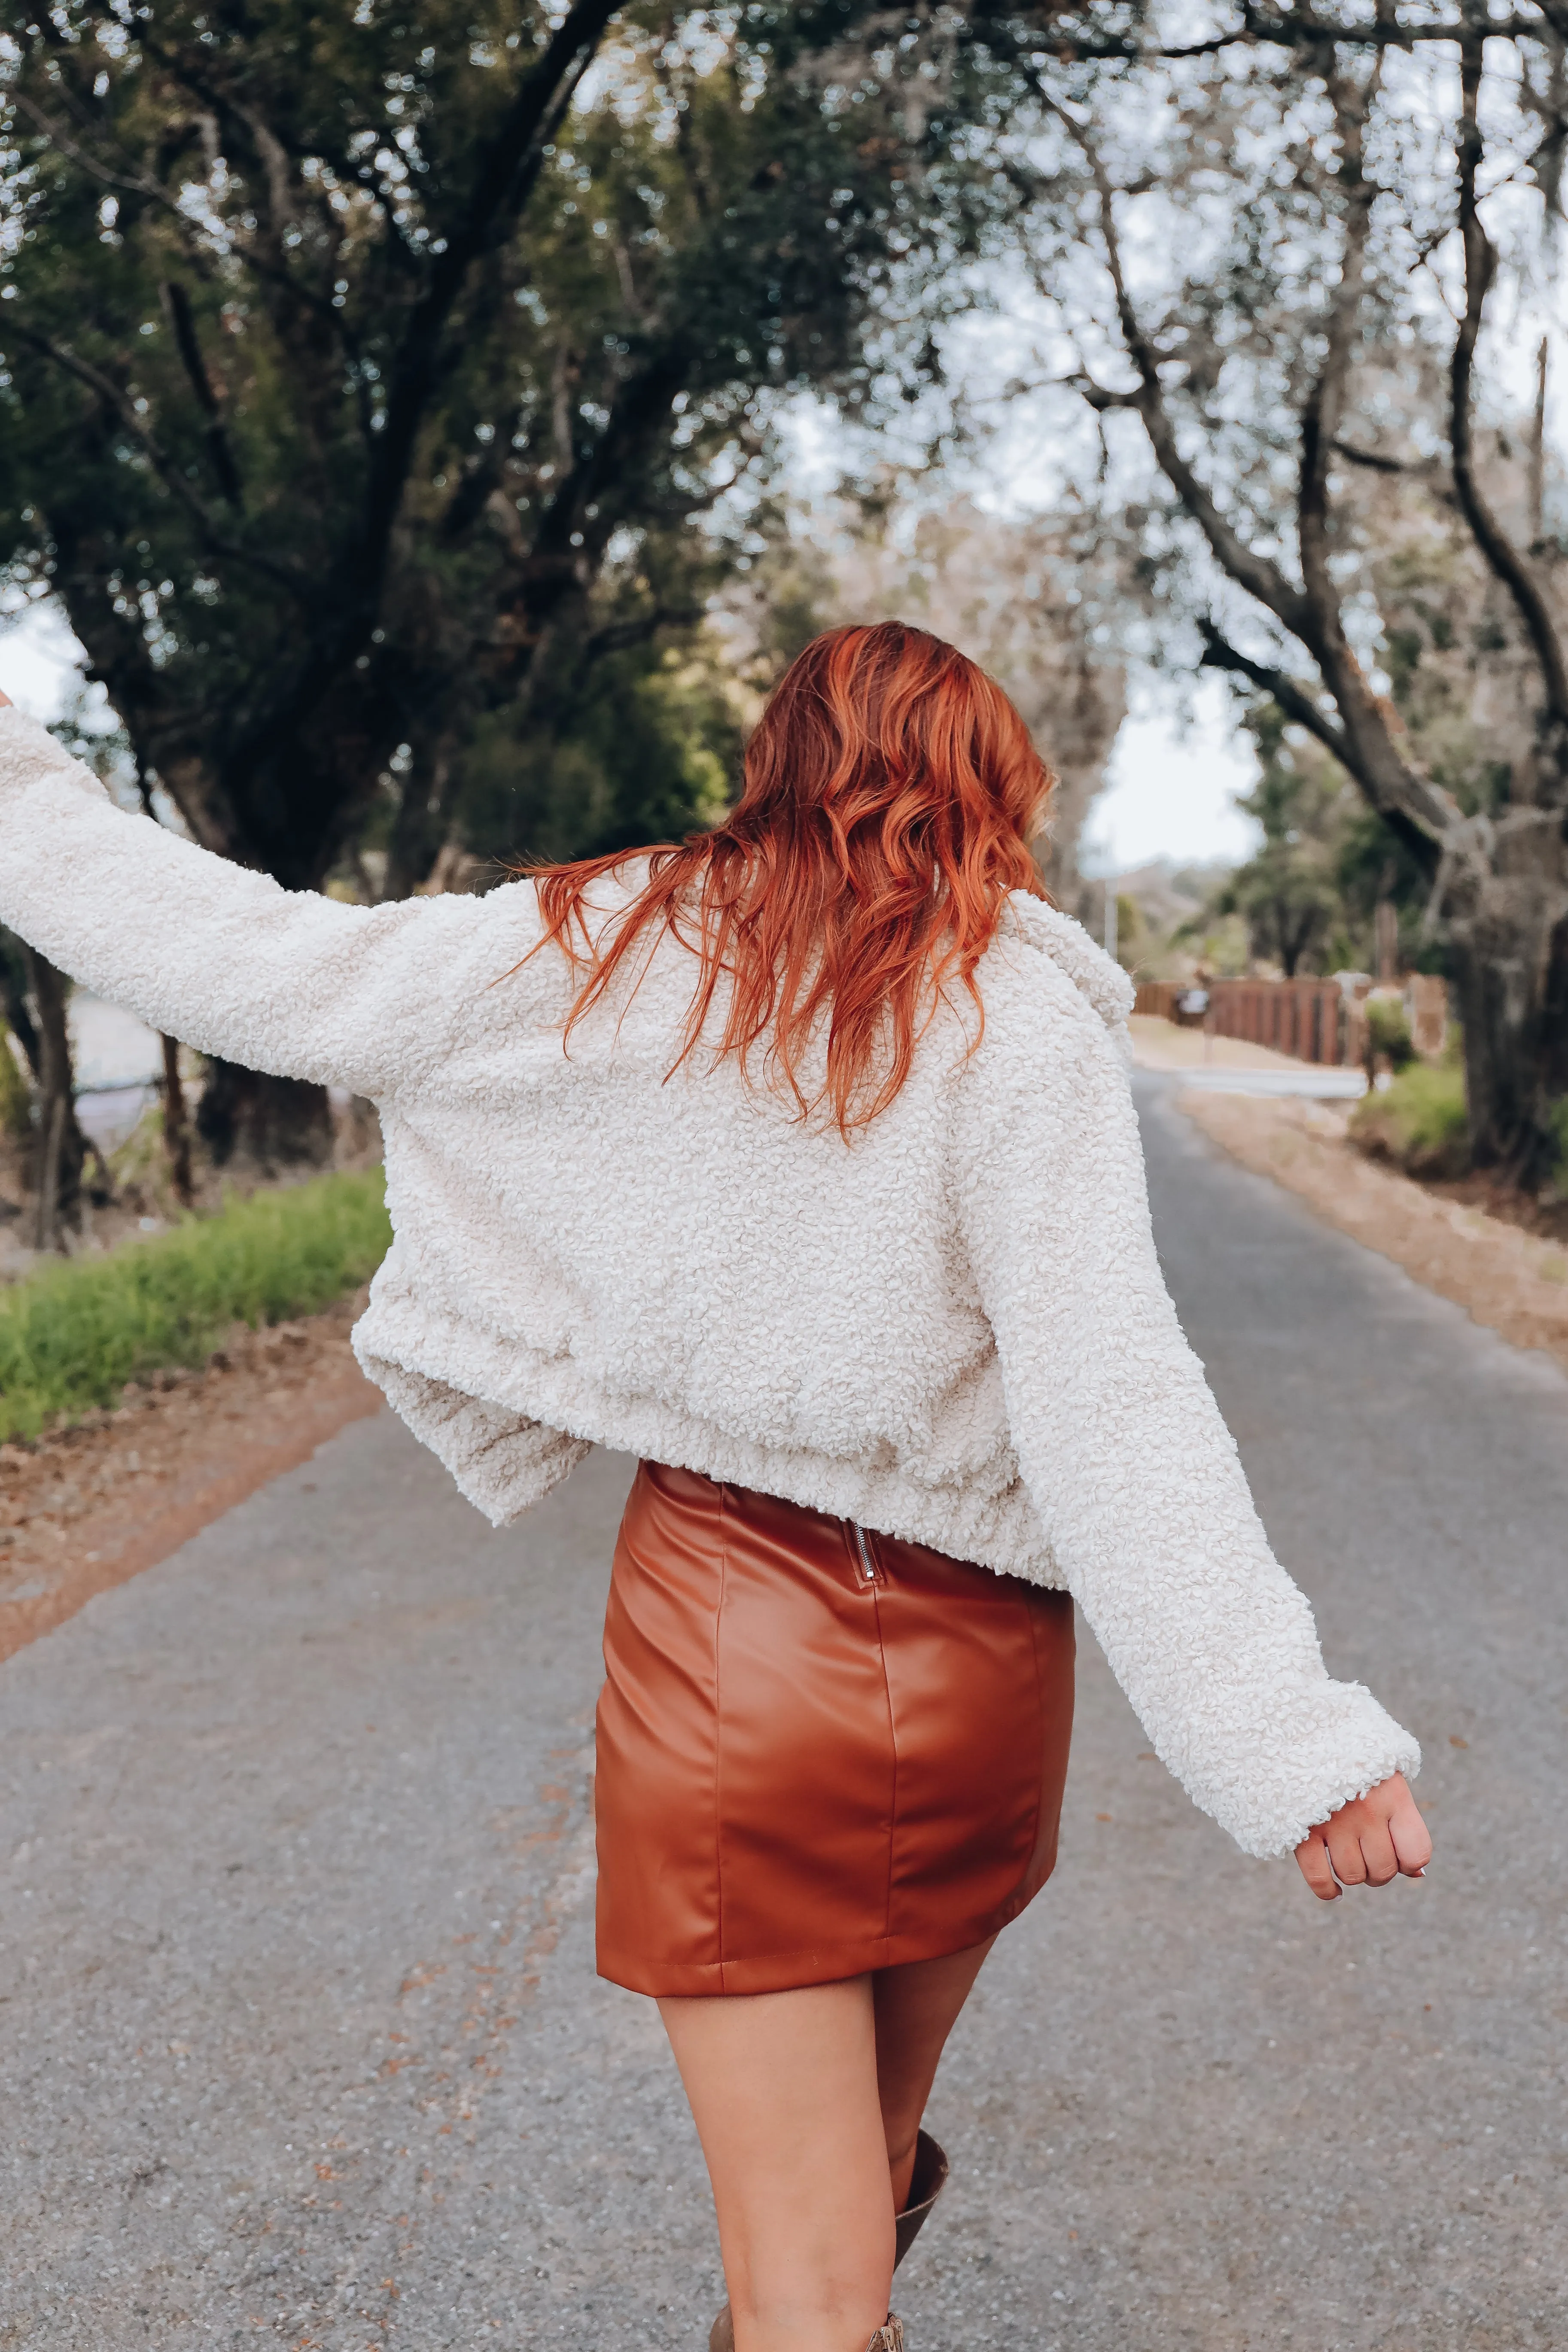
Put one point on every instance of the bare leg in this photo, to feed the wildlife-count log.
(783, 2089)
(808, 2105)
(916, 2008)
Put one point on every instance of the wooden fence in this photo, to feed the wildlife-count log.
(1304, 1018)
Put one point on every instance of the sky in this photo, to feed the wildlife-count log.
(1171, 788)
(36, 655)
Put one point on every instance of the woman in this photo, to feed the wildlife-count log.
(799, 1161)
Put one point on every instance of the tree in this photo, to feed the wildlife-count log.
(349, 348)
(34, 997)
(1288, 892)
(1273, 245)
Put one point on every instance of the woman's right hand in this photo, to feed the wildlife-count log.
(1372, 1839)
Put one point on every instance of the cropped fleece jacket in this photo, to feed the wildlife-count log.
(952, 1329)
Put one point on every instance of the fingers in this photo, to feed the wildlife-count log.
(1367, 1843)
(1312, 1857)
(1412, 1838)
(1379, 1861)
(1340, 1835)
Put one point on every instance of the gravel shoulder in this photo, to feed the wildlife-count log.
(92, 1505)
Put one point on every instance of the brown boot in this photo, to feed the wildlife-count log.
(926, 2184)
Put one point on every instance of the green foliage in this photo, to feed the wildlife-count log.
(1557, 1125)
(1288, 893)
(1418, 1120)
(354, 427)
(647, 753)
(1373, 863)
(73, 1335)
(1388, 1031)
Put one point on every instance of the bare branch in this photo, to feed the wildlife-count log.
(1375, 463)
(1480, 264)
(1305, 29)
(1295, 699)
(1259, 576)
(1296, 702)
(1325, 401)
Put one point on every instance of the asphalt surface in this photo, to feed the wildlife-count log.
(300, 2036)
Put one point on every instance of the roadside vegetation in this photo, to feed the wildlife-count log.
(73, 1335)
(1417, 1121)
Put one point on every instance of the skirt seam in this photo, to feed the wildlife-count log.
(893, 1751)
(718, 1733)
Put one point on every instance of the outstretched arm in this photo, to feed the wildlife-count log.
(208, 951)
(1133, 1473)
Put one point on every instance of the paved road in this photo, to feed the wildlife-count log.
(299, 2040)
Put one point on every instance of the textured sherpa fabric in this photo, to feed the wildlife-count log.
(954, 1328)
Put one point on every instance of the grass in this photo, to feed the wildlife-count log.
(74, 1334)
(1418, 1120)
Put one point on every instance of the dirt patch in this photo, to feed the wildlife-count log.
(91, 1505)
(1512, 1280)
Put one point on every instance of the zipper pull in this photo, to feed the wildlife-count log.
(867, 1566)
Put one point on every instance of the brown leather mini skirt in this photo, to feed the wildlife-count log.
(820, 1750)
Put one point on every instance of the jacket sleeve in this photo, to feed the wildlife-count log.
(1135, 1475)
(211, 952)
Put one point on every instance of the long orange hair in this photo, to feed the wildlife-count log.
(889, 790)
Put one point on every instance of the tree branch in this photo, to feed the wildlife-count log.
(162, 465)
(1255, 572)
(1305, 29)
(507, 172)
(1374, 462)
(1481, 263)
(1325, 401)
(177, 308)
(1293, 698)
(1299, 706)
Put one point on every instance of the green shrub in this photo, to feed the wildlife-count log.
(1418, 1120)
(1557, 1122)
(1388, 1031)
(72, 1335)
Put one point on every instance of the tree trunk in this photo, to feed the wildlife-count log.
(419, 827)
(61, 1151)
(1510, 954)
(176, 1126)
(268, 1123)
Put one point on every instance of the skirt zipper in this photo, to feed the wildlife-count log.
(867, 1564)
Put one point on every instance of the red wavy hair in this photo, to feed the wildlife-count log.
(890, 791)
